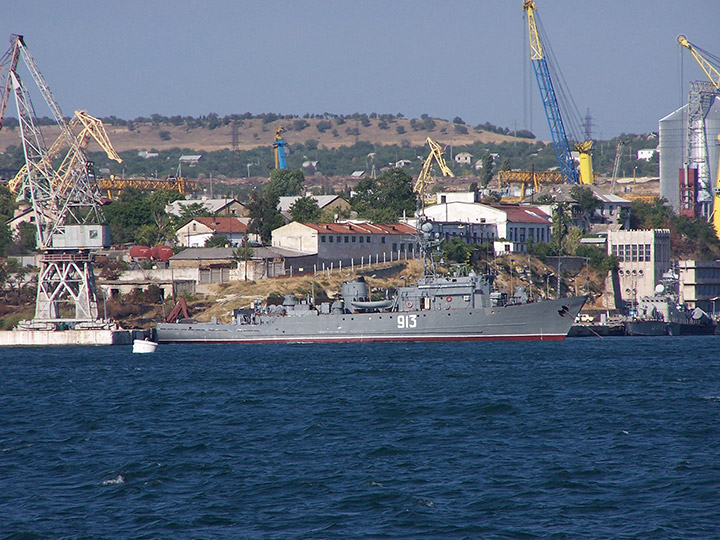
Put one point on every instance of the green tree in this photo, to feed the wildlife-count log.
(27, 233)
(190, 211)
(217, 240)
(285, 183)
(385, 198)
(148, 235)
(586, 201)
(486, 173)
(139, 213)
(264, 214)
(560, 220)
(305, 210)
(456, 250)
(243, 252)
(7, 202)
(545, 199)
(571, 240)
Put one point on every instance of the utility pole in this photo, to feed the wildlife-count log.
(558, 276)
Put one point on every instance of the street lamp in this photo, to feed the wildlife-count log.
(512, 264)
(547, 284)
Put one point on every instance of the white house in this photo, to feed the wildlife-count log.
(200, 229)
(345, 242)
(516, 225)
(646, 154)
(442, 197)
(463, 158)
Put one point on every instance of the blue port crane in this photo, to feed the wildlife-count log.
(552, 110)
(279, 149)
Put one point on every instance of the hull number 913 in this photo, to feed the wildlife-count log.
(407, 321)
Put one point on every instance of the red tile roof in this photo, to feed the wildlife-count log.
(223, 224)
(524, 214)
(362, 228)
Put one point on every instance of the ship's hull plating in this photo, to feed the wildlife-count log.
(547, 321)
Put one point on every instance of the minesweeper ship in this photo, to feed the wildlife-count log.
(458, 308)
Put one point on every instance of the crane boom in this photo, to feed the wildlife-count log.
(8, 65)
(710, 70)
(424, 180)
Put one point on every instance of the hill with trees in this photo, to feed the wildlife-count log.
(238, 148)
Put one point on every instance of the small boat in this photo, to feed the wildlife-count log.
(144, 346)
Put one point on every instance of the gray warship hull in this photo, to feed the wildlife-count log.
(548, 320)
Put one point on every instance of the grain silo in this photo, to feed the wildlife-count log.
(673, 147)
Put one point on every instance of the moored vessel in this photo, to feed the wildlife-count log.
(436, 308)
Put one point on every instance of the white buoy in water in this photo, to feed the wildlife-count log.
(144, 346)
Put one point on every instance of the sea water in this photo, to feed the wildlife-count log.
(588, 438)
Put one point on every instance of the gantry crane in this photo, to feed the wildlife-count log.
(424, 179)
(279, 149)
(552, 110)
(114, 186)
(701, 97)
(527, 178)
(66, 201)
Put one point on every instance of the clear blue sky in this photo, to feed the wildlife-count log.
(456, 58)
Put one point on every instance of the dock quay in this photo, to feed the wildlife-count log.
(56, 338)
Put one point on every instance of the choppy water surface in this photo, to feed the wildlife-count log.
(589, 438)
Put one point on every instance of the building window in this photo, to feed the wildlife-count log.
(362, 239)
(382, 240)
(330, 238)
(322, 237)
(354, 239)
(402, 247)
(522, 234)
(368, 239)
(394, 247)
(347, 239)
(634, 253)
(647, 252)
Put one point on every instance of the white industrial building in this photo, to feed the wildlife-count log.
(644, 256)
(348, 243)
(514, 225)
(673, 148)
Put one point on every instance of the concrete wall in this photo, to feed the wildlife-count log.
(41, 338)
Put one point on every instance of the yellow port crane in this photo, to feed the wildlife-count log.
(91, 128)
(424, 179)
(527, 178)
